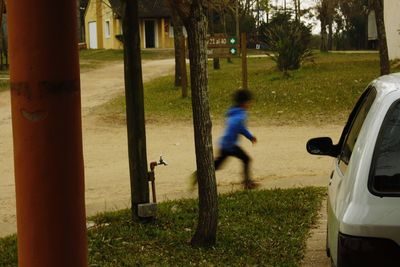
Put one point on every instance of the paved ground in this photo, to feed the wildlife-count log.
(316, 253)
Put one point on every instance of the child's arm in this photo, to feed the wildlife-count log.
(243, 130)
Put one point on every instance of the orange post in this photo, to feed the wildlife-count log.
(47, 133)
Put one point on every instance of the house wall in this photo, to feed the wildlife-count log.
(100, 13)
(165, 27)
(392, 25)
(90, 16)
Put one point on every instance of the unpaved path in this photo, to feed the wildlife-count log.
(279, 158)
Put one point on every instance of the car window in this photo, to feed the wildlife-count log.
(350, 140)
(349, 122)
(385, 171)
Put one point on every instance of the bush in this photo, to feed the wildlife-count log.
(289, 42)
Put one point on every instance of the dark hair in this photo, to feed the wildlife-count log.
(242, 96)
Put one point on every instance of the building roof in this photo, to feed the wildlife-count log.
(147, 8)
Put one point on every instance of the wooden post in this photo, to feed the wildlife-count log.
(47, 133)
(183, 69)
(243, 47)
(135, 118)
(162, 32)
(99, 23)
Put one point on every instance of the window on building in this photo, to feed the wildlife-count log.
(107, 30)
(171, 31)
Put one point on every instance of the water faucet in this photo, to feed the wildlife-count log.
(162, 161)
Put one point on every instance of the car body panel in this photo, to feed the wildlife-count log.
(352, 209)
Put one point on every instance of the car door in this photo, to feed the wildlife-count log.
(337, 192)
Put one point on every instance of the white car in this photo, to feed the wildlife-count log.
(364, 187)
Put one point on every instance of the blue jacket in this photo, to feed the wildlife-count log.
(235, 125)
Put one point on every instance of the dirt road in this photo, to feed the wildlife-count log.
(279, 158)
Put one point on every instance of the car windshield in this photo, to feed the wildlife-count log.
(386, 163)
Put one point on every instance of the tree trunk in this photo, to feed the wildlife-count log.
(229, 60)
(134, 107)
(183, 69)
(296, 11)
(330, 36)
(383, 48)
(196, 24)
(323, 16)
(216, 63)
(323, 46)
(178, 36)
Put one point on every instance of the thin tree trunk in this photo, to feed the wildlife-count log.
(299, 7)
(216, 64)
(296, 12)
(229, 60)
(330, 36)
(206, 231)
(383, 48)
(134, 107)
(323, 16)
(183, 69)
(323, 47)
(178, 36)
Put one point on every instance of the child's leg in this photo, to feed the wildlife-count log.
(220, 159)
(239, 153)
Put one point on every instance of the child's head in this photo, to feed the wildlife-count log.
(242, 98)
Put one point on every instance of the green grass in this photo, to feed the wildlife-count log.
(260, 228)
(4, 85)
(322, 91)
(96, 58)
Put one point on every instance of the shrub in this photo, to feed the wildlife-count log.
(288, 41)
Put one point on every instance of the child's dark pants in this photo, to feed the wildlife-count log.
(236, 152)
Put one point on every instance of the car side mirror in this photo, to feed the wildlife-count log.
(321, 146)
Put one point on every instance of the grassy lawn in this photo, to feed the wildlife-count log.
(322, 92)
(95, 58)
(262, 228)
(4, 85)
(4, 82)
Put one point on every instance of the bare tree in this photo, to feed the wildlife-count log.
(326, 12)
(383, 48)
(194, 17)
(178, 36)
